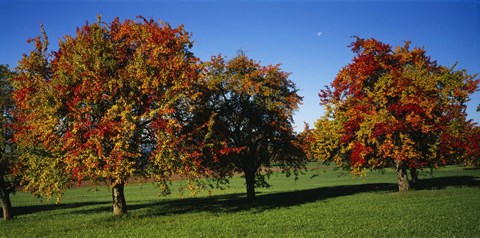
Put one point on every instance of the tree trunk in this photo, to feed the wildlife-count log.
(250, 181)
(7, 207)
(414, 175)
(5, 196)
(119, 204)
(402, 179)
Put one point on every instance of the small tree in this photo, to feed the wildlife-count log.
(305, 139)
(110, 104)
(250, 128)
(8, 175)
(461, 144)
(389, 108)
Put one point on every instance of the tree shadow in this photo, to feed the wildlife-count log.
(443, 182)
(25, 210)
(238, 202)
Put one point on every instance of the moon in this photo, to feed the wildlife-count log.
(319, 33)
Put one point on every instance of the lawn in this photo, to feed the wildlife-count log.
(446, 204)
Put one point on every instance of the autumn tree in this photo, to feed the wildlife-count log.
(460, 143)
(305, 140)
(471, 145)
(109, 104)
(35, 117)
(251, 108)
(325, 140)
(8, 177)
(390, 108)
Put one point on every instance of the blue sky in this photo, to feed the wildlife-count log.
(309, 38)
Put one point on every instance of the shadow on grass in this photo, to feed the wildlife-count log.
(238, 202)
(443, 182)
(24, 210)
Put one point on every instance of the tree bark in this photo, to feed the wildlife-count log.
(5, 196)
(414, 175)
(119, 203)
(402, 178)
(250, 181)
(7, 207)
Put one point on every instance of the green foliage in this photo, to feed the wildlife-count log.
(7, 157)
(9, 177)
(310, 208)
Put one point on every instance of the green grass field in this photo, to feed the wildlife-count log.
(446, 204)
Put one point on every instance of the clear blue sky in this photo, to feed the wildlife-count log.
(309, 38)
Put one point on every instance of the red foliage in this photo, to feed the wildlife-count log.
(399, 105)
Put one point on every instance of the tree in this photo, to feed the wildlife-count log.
(460, 144)
(305, 139)
(8, 176)
(110, 104)
(324, 144)
(250, 129)
(390, 107)
(35, 132)
(471, 154)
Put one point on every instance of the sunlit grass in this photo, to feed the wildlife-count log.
(328, 205)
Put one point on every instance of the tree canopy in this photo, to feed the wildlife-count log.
(8, 174)
(110, 104)
(251, 124)
(391, 108)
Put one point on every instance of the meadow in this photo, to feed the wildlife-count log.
(445, 204)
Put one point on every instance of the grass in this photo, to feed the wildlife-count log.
(446, 204)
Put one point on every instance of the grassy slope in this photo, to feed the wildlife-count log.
(446, 205)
